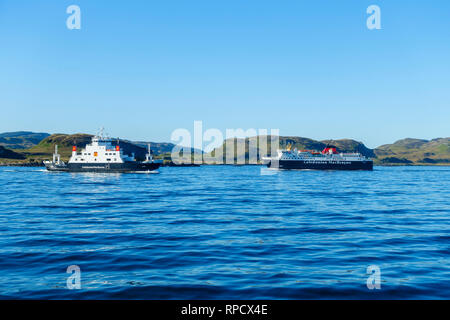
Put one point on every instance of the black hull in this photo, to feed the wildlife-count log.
(321, 165)
(108, 167)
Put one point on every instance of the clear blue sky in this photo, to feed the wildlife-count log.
(145, 68)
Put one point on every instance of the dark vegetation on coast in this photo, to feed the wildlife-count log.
(29, 148)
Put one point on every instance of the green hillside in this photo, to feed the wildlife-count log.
(65, 142)
(415, 151)
(403, 152)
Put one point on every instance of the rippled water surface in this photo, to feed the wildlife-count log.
(219, 232)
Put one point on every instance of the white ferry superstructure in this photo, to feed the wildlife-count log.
(102, 156)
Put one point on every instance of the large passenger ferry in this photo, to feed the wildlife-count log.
(102, 156)
(328, 159)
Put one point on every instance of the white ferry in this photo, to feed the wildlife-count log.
(328, 159)
(102, 156)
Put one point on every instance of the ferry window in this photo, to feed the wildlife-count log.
(108, 159)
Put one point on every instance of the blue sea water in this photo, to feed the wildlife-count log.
(226, 232)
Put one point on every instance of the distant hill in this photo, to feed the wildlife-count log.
(160, 148)
(415, 151)
(32, 146)
(156, 147)
(21, 139)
